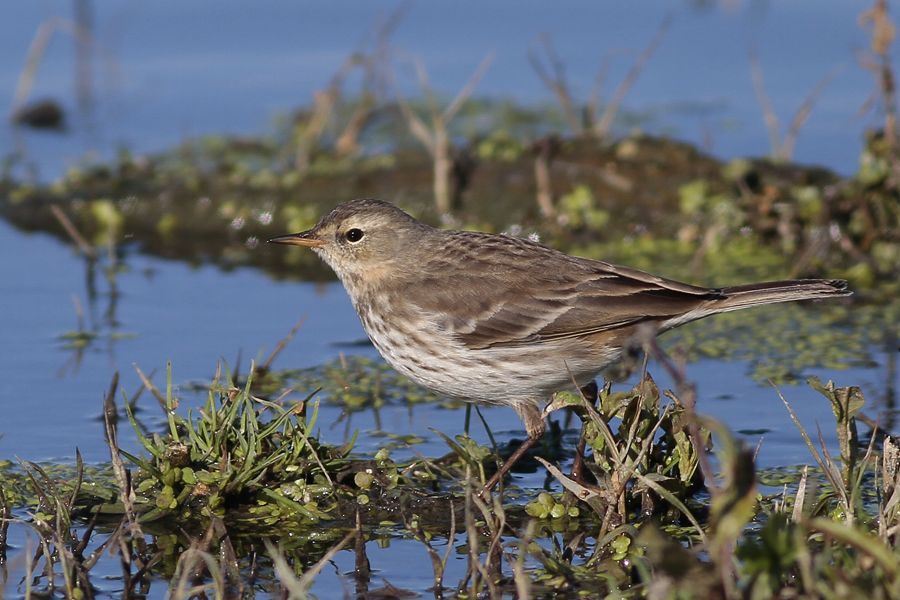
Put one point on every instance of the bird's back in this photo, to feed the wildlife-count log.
(494, 290)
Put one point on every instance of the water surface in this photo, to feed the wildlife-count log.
(169, 70)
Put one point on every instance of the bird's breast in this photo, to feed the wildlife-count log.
(418, 347)
(413, 346)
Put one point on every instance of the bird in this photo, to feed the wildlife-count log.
(496, 319)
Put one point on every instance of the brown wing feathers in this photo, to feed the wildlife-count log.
(577, 297)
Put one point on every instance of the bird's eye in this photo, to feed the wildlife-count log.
(354, 235)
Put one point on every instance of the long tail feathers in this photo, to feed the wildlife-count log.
(756, 294)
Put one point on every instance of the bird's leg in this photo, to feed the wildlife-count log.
(578, 463)
(589, 392)
(534, 425)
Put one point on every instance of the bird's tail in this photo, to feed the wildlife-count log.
(756, 294)
(770, 292)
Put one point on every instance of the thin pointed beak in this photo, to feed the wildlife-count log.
(304, 238)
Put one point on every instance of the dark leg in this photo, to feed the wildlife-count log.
(534, 425)
(578, 463)
(590, 394)
(508, 464)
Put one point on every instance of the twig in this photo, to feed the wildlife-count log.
(83, 245)
(769, 117)
(230, 569)
(281, 345)
(802, 114)
(299, 587)
(39, 44)
(119, 471)
(362, 571)
(523, 582)
(468, 88)
(79, 313)
(438, 563)
(139, 391)
(687, 392)
(5, 514)
(556, 82)
(593, 105)
(782, 148)
(109, 400)
(604, 124)
(153, 389)
(435, 136)
(83, 71)
(545, 150)
(496, 522)
(883, 35)
(307, 578)
(123, 480)
(186, 567)
(324, 102)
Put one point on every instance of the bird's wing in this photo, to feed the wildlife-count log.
(523, 293)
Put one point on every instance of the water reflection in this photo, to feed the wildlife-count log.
(888, 417)
(100, 325)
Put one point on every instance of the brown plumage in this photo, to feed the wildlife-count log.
(497, 319)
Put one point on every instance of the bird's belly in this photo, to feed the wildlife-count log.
(492, 375)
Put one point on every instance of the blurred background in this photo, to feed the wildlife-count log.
(145, 76)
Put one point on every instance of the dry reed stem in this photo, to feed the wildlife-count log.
(556, 81)
(603, 125)
(83, 245)
(435, 135)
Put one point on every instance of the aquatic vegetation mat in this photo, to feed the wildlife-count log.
(242, 493)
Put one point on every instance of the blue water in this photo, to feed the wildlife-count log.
(167, 70)
(170, 70)
(197, 316)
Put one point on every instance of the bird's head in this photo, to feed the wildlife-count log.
(363, 239)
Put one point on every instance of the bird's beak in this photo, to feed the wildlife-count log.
(304, 238)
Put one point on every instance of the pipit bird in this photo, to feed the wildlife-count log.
(501, 320)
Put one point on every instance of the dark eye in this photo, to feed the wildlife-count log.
(354, 235)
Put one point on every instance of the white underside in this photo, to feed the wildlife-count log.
(494, 375)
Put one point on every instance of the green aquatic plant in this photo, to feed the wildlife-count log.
(579, 209)
(655, 522)
(501, 146)
(236, 452)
